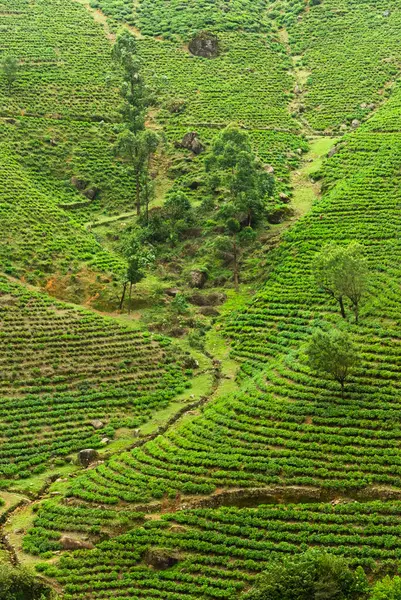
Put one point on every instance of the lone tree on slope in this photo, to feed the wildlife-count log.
(9, 67)
(139, 257)
(341, 271)
(135, 144)
(333, 353)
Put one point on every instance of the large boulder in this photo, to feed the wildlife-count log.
(87, 456)
(191, 142)
(212, 299)
(160, 558)
(79, 183)
(197, 279)
(205, 44)
(69, 543)
(97, 424)
(91, 193)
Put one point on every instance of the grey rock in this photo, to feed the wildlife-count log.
(205, 44)
(197, 279)
(69, 543)
(332, 151)
(87, 456)
(191, 142)
(160, 558)
(173, 292)
(79, 183)
(191, 363)
(97, 424)
(90, 193)
(209, 311)
(355, 123)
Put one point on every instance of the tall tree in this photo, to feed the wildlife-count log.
(135, 143)
(333, 353)
(235, 171)
(230, 247)
(341, 271)
(135, 94)
(9, 67)
(137, 150)
(139, 258)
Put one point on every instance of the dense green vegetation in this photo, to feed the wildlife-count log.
(62, 368)
(20, 584)
(218, 552)
(128, 161)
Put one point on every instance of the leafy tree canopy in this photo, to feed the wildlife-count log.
(333, 353)
(310, 576)
(19, 584)
(342, 272)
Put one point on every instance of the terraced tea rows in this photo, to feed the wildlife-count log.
(43, 238)
(174, 19)
(287, 425)
(217, 553)
(60, 94)
(64, 61)
(362, 37)
(57, 153)
(246, 83)
(61, 368)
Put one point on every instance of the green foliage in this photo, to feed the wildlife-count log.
(228, 548)
(236, 174)
(20, 584)
(9, 67)
(387, 589)
(133, 90)
(342, 273)
(311, 576)
(177, 206)
(69, 367)
(172, 19)
(333, 353)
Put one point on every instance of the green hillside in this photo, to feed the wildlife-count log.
(223, 450)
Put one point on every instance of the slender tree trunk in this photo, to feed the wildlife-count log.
(236, 274)
(342, 388)
(341, 302)
(138, 194)
(356, 309)
(129, 299)
(249, 218)
(147, 211)
(123, 295)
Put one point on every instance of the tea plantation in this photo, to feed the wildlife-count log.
(221, 451)
(63, 370)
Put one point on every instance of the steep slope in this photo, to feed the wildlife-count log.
(287, 434)
(349, 55)
(287, 431)
(60, 93)
(62, 369)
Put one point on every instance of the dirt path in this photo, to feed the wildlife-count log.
(305, 190)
